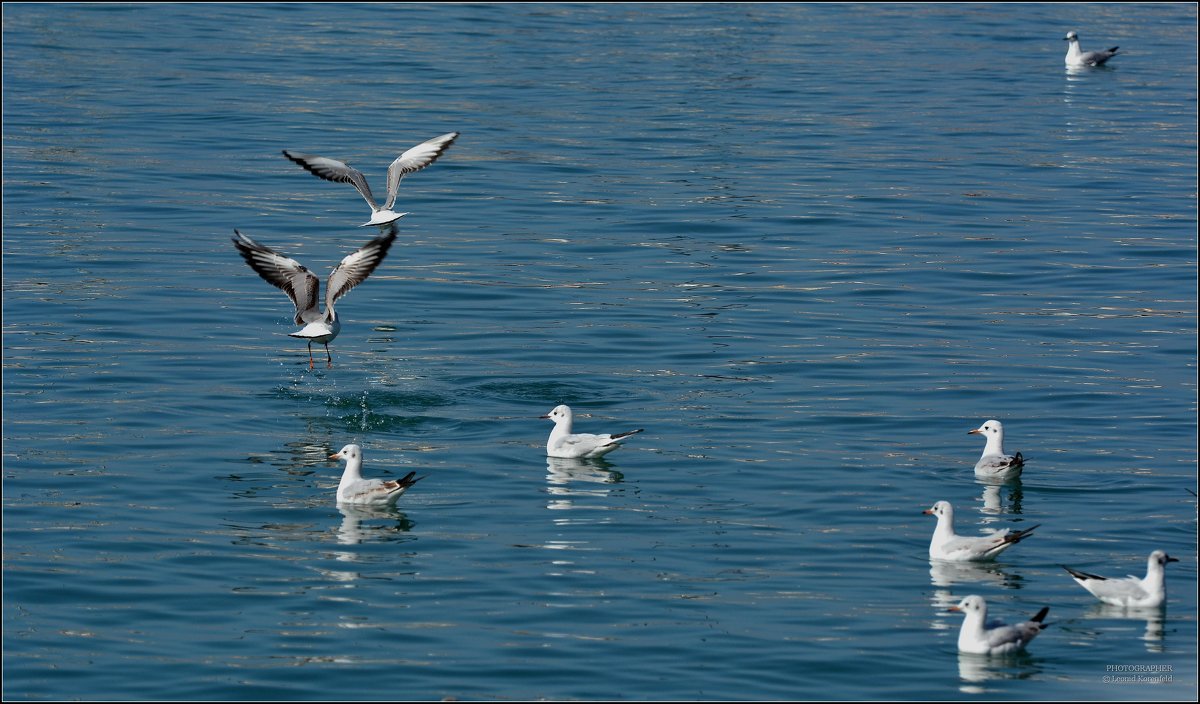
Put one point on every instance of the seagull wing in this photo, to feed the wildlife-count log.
(356, 267)
(415, 159)
(334, 170)
(583, 443)
(1016, 637)
(1097, 58)
(1123, 591)
(288, 274)
(377, 491)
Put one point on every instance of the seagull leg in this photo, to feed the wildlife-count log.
(310, 357)
(328, 357)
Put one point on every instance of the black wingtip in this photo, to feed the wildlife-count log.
(1041, 615)
(408, 480)
(1081, 575)
(1018, 536)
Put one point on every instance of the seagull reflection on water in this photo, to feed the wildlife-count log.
(1155, 618)
(975, 670)
(996, 502)
(561, 473)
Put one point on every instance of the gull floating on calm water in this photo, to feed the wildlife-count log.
(353, 489)
(410, 161)
(1075, 57)
(1130, 591)
(981, 637)
(564, 443)
(303, 287)
(946, 545)
(994, 463)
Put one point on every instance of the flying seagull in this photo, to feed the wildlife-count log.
(410, 161)
(303, 287)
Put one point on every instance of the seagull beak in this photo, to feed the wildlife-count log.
(335, 457)
(954, 608)
(545, 417)
(973, 432)
(928, 512)
(1172, 559)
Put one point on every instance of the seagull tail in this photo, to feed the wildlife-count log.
(1081, 575)
(1018, 535)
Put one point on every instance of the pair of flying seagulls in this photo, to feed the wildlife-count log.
(300, 284)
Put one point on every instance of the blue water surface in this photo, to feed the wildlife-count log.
(806, 247)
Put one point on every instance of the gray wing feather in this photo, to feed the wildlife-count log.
(282, 272)
(413, 160)
(1097, 58)
(336, 171)
(356, 267)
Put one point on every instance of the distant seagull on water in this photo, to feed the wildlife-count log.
(1075, 57)
(303, 287)
(947, 545)
(566, 444)
(982, 637)
(994, 463)
(410, 161)
(1130, 591)
(353, 489)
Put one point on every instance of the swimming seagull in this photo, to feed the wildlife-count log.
(1130, 591)
(303, 287)
(410, 161)
(946, 545)
(981, 637)
(564, 443)
(994, 463)
(353, 489)
(1075, 57)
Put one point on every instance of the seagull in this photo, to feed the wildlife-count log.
(564, 443)
(1075, 57)
(994, 463)
(960, 548)
(303, 287)
(353, 489)
(980, 637)
(410, 161)
(1130, 591)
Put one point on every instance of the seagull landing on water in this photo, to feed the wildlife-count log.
(1075, 57)
(981, 637)
(564, 443)
(367, 492)
(994, 463)
(303, 287)
(410, 161)
(1131, 591)
(946, 545)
